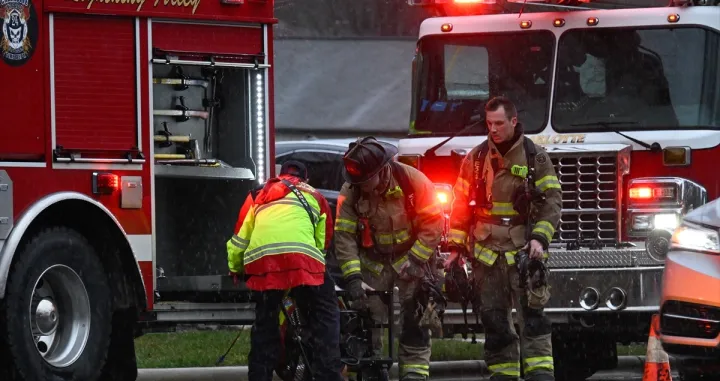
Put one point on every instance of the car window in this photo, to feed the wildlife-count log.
(324, 169)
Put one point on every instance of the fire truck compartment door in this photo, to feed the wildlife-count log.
(211, 39)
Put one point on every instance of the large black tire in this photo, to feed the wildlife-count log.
(67, 273)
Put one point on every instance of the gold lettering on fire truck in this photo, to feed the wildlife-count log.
(139, 3)
(559, 139)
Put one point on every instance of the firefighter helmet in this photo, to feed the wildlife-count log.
(365, 158)
(458, 287)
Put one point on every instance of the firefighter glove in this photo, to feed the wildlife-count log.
(411, 270)
(356, 294)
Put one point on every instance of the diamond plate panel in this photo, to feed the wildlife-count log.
(600, 258)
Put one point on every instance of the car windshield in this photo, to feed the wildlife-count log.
(637, 79)
(455, 75)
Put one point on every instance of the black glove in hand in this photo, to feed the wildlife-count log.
(356, 294)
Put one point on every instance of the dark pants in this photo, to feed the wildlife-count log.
(320, 306)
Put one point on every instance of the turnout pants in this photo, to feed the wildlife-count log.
(320, 304)
(496, 287)
(414, 348)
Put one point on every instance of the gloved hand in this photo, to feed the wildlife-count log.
(356, 294)
(411, 270)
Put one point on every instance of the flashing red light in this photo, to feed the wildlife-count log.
(650, 192)
(641, 193)
(443, 197)
(592, 21)
(525, 24)
(446, 27)
(105, 183)
(558, 23)
(673, 18)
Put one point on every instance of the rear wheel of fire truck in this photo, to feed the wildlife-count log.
(57, 311)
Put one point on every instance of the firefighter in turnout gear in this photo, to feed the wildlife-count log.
(389, 224)
(507, 205)
(280, 241)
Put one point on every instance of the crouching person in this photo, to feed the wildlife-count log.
(280, 241)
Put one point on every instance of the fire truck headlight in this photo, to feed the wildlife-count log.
(666, 221)
(689, 236)
(650, 221)
(444, 195)
(259, 119)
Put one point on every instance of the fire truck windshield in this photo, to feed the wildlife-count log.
(456, 74)
(637, 79)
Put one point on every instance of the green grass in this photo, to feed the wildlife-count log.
(203, 348)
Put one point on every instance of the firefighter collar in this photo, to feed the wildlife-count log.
(494, 151)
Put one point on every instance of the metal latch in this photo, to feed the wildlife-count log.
(4, 220)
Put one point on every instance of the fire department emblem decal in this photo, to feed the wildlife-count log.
(19, 31)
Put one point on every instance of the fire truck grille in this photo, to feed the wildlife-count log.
(589, 197)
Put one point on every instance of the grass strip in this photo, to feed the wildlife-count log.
(203, 348)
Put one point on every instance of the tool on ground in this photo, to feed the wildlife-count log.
(222, 358)
(179, 80)
(657, 361)
(181, 112)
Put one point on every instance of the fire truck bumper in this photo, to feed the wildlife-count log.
(603, 286)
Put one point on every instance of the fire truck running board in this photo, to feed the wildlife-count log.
(204, 312)
(198, 283)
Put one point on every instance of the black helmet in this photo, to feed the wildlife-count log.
(458, 286)
(365, 158)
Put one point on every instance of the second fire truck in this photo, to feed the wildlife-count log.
(131, 133)
(627, 104)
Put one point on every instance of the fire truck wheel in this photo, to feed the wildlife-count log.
(58, 309)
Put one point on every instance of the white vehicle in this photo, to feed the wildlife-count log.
(627, 104)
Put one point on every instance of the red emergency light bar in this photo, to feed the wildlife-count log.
(651, 192)
(430, 3)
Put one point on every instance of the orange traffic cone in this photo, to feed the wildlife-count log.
(657, 361)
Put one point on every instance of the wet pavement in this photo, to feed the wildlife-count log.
(237, 374)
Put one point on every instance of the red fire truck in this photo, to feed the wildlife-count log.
(132, 131)
(626, 102)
